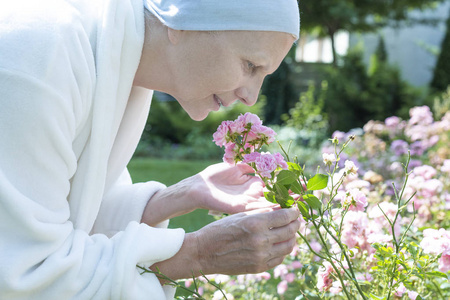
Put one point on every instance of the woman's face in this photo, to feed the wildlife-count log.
(213, 69)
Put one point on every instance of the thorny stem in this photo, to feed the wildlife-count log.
(172, 282)
(352, 277)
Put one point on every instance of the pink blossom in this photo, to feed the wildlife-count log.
(350, 167)
(354, 226)
(425, 171)
(444, 262)
(420, 115)
(248, 120)
(251, 157)
(365, 276)
(290, 277)
(400, 290)
(324, 278)
(393, 121)
(266, 164)
(296, 265)
(220, 136)
(280, 271)
(354, 200)
(230, 154)
(412, 295)
(280, 160)
(336, 287)
(446, 166)
(282, 287)
(262, 133)
(435, 241)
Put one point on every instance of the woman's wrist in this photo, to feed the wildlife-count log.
(184, 264)
(173, 201)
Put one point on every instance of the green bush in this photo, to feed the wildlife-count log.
(357, 93)
(441, 77)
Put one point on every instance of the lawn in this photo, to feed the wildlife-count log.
(170, 172)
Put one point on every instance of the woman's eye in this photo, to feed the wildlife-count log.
(251, 66)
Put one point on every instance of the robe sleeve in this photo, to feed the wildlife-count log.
(115, 213)
(42, 254)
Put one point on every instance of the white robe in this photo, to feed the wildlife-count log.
(69, 123)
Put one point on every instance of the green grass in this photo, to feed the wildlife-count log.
(170, 172)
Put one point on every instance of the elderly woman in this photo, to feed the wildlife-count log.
(75, 81)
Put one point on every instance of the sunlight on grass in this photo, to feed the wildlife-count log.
(170, 172)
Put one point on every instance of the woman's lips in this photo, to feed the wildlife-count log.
(218, 100)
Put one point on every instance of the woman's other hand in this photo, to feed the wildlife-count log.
(250, 242)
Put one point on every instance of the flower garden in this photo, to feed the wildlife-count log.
(375, 212)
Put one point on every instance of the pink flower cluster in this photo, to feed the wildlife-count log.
(249, 126)
(265, 163)
(243, 138)
(327, 279)
(354, 199)
(437, 242)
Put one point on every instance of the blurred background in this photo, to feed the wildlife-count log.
(356, 61)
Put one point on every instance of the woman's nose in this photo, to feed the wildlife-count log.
(248, 93)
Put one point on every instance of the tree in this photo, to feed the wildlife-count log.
(327, 17)
(441, 77)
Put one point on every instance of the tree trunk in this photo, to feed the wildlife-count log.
(333, 46)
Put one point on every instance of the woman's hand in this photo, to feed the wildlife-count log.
(250, 242)
(220, 187)
(229, 189)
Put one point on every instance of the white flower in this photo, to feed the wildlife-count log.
(350, 167)
(328, 159)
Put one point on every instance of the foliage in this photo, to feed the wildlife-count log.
(356, 95)
(441, 77)
(327, 17)
(441, 104)
(278, 92)
(308, 117)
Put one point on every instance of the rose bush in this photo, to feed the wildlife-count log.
(375, 215)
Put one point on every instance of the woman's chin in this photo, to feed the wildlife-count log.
(198, 116)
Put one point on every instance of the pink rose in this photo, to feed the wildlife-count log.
(282, 287)
(220, 136)
(230, 154)
(251, 157)
(249, 118)
(354, 199)
(444, 262)
(266, 164)
(280, 160)
(263, 133)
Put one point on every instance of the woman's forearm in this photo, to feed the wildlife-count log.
(173, 201)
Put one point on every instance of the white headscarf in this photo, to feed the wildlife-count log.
(212, 15)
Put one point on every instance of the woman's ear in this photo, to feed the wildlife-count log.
(173, 35)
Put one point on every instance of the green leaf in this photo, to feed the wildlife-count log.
(317, 182)
(281, 190)
(303, 209)
(270, 196)
(296, 188)
(313, 201)
(295, 168)
(437, 274)
(286, 177)
(374, 297)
